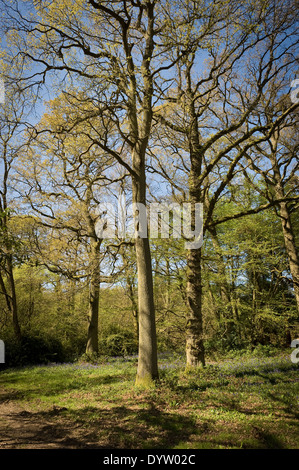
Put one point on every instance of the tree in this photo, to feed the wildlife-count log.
(276, 163)
(260, 308)
(215, 112)
(102, 44)
(12, 116)
(120, 59)
(63, 182)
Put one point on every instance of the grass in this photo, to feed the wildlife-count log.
(249, 403)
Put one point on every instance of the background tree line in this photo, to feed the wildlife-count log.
(159, 101)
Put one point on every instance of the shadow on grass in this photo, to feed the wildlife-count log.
(263, 371)
(139, 423)
(33, 430)
(124, 427)
(268, 440)
(91, 427)
(284, 400)
(256, 438)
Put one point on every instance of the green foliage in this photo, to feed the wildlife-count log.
(33, 350)
(118, 342)
(247, 299)
(247, 296)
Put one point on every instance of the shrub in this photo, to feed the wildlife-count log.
(32, 350)
(118, 342)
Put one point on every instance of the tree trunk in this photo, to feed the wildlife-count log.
(134, 306)
(92, 346)
(168, 282)
(288, 233)
(195, 354)
(11, 299)
(14, 305)
(147, 370)
(289, 240)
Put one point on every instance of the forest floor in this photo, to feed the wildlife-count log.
(247, 402)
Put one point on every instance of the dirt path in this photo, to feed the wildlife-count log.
(23, 429)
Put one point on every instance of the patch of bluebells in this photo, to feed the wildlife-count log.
(269, 365)
(225, 369)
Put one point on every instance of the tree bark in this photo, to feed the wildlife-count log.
(290, 244)
(8, 258)
(92, 346)
(195, 353)
(287, 229)
(14, 305)
(134, 306)
(11, 299)
(147, 370)
(140, 127)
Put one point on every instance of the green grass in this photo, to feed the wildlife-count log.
(248, 402)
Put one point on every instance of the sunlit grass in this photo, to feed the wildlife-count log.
(249, 402)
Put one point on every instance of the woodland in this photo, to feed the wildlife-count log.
(150, 102)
